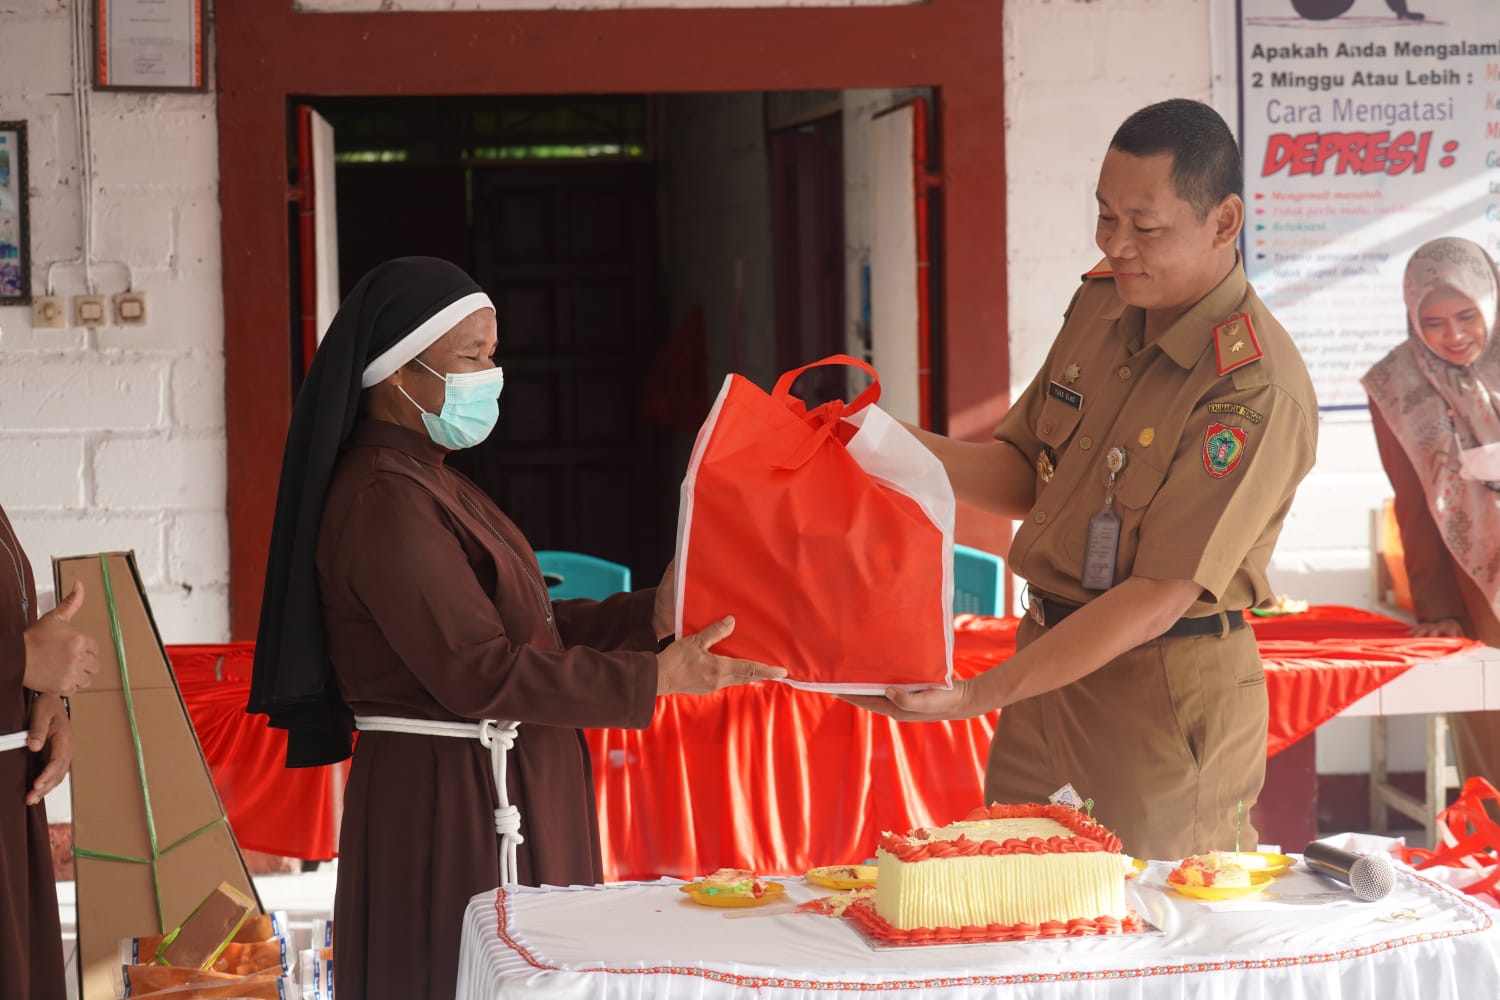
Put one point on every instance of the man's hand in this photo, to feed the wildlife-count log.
(1441, 627)
(664, 613)
(932, 705)
(687, 666)
(59, 658)
(50, 729)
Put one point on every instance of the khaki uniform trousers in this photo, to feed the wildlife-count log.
(1167, 740)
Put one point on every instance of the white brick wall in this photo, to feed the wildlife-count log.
(114, 438)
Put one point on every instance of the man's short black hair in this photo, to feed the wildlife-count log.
(1206, 165)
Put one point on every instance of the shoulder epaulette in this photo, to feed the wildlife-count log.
(1101, 270)
(1235, 345)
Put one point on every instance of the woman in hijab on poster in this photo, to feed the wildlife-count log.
(399, 598)
(1435, 407)
(42, 660)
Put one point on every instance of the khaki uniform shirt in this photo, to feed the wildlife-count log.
(1218, 423)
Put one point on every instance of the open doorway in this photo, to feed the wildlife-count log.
(637, 247)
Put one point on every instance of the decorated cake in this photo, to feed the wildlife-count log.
(1008, 872)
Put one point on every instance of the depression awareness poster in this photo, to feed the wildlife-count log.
(1368, 127)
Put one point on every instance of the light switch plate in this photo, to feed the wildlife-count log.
(130, 309)
(89, 310)
(49, 312)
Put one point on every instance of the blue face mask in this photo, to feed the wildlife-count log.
(470, 407)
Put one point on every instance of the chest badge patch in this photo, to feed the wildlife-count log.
(1147, 436)
(1235, 344)
(1071, 375)
(1223, 447)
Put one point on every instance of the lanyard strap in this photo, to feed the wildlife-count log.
(499, 737)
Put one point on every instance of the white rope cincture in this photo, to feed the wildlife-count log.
(13, 741)
(498, 737)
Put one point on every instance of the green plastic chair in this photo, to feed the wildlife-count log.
(573, 574)
(978, 582)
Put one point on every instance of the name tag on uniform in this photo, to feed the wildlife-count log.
(1061, 392)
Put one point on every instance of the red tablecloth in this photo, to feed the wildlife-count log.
(766, 776)
(778, 780)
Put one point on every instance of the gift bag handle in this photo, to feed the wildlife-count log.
(827, 416)
(870, 395)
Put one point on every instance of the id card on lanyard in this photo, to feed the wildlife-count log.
(1104, 532)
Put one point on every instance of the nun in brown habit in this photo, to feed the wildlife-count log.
(41, 661)
(400, 600)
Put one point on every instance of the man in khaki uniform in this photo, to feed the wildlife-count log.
(1151, 463)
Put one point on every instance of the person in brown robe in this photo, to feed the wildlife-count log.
(40, 660)
(1435, 410)
(431, 607)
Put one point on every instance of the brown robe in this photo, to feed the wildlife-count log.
(434, 607)
(31, 959)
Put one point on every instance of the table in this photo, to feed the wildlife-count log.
(1307, 939)
(766, 776)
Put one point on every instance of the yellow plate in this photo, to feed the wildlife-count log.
(1138, 865)
(696, 894)
(843, 876)
(1219, 893)
(1275, 863)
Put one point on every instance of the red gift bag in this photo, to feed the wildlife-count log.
(827, 533)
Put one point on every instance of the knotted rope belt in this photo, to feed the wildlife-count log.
(499, 737)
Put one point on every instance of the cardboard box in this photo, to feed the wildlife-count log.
(194, 849)
(199, 939)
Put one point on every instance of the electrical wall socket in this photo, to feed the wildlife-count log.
(130, 309)
(48, 312)
(89, 310)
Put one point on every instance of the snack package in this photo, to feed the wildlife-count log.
(145, 980)
(316, 973)
(239, 989)
(272, 955)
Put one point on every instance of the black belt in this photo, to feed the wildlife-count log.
(1047, 612)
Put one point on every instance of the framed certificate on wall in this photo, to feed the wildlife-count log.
(149, 45)
(15, 249)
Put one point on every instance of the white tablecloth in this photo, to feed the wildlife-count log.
(1305, 937)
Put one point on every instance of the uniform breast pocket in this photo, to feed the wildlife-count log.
(1057, 423)
(1135, 488)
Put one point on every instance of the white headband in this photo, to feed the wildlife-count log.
(423, 337)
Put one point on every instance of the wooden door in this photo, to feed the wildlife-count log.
(568, 254)
(807, 233)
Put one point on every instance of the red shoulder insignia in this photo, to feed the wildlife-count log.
(1234, 344)
(1101, 270)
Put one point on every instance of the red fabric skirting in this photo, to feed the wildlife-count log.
(769, 777)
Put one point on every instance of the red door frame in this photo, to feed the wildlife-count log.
(267, 54)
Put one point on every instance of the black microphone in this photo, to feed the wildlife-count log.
(1371, 876)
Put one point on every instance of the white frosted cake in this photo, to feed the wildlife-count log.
(1003, 873)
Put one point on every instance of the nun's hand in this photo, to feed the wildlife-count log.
(687, 666)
